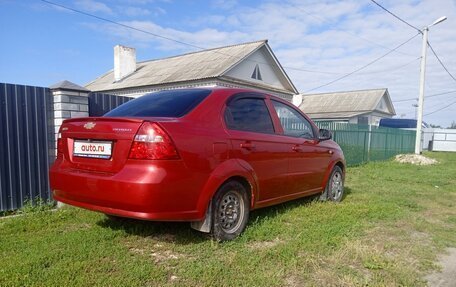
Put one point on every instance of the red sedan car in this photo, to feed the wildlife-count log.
(208, 156)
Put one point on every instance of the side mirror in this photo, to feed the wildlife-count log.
(324, 135)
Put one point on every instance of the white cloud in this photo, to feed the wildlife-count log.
(135, 11)
(332, 36)
(206, 38)
(224, 4)
(93, 6)
(144, 2)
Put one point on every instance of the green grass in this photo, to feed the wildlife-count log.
(387, 231)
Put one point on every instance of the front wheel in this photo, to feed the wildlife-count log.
(334, 190)
(230, 211)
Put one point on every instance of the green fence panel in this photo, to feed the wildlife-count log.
(363, 143)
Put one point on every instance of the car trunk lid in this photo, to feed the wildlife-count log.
(99, 144)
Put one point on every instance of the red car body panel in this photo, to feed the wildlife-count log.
(275, 167)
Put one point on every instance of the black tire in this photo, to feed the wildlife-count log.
(334, 190)
(230, 211)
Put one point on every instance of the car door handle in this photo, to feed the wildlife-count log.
(247, 145)
(296, 148)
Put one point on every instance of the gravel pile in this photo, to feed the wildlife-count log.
(416, 159)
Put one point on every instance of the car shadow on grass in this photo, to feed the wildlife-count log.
(276, 210)
(175, 232)
(181, 232)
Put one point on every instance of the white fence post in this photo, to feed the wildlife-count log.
(70, 101)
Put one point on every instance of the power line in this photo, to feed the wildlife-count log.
(426, 97)
(363, 67)
(348, 32)
(299, 69)
(203, 48)
(438, 105)
(397, 68)
(406, 100)
(397, 17)
(392, 69)
(171, 39)
(440, 94)
(440, 61)
(445, 107)
(120, 24)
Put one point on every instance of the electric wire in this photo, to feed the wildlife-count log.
(426, 97)
(438, 110)
(200, 47)
(363, 67)
(172, 39)
(440, 61)
(348, 32)
(392, 69)
(397, 17)
(123, 25)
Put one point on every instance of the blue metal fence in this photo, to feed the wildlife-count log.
(100, 103)
(27, 144)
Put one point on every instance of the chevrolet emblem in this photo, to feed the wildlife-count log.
(89, 125)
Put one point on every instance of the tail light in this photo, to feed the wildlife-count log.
(59, 143)
(152, 142)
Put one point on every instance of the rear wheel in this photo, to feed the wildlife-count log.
(334, 190)
(230, 211)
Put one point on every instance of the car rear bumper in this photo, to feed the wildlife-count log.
(159, 216)
(139, 190)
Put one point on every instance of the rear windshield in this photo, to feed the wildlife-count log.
(174, 103)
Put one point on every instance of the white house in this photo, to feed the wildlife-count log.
(357, 107)
(250, 65)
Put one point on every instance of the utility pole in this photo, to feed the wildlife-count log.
(419, 121)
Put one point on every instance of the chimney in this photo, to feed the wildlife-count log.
(124, 62)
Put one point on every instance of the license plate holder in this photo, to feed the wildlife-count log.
(92, 149)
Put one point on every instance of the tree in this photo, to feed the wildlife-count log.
(435, 126)
(453, 125)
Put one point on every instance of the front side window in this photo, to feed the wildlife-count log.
(248, 114)
(293, 123)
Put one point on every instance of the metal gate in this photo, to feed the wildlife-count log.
(27, 144)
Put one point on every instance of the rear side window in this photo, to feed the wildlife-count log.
(248, 114)
(293, 123)
(173, 103)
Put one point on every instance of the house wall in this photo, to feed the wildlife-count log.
(245, 69)
(353, 120)
(439, 139)
(373, 118)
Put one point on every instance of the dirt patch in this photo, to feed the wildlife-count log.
(294, 281)
(164, 237)
(447, 276)
(259, 245)
(415, 159)
(159, 252)
(158, 255)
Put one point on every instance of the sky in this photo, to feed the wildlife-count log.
(316, 42)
